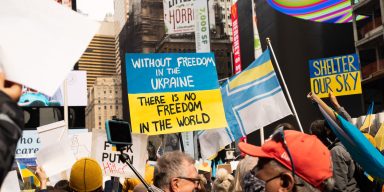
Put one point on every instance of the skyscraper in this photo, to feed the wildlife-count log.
(100, 57)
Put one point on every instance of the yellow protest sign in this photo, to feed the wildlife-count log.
(171, 93)
(340, 75)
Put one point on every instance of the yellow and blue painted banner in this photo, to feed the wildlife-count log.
(173, 92)
(340, 75)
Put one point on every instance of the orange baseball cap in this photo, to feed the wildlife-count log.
(311, 158)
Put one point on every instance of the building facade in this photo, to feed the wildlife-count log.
(104, 101)
(223, 7)
(369, 43)
(99, 59)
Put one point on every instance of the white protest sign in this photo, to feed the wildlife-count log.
(56, 158)
(178, 16)
(108, 157)
(81, 144)
(52, 133)
(30, 143)
(40, 42)
(11, 182)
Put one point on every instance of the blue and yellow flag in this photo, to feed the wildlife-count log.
(361, 150)
(28, 174)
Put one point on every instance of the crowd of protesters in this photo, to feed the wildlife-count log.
(289, 160)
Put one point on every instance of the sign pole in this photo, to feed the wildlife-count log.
(285, 85)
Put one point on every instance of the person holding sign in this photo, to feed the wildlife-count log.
(11, 123)
(344, 167)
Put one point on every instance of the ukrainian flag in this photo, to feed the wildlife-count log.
(28, 175)
(360, 148)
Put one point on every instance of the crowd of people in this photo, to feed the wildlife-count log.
(289, 160)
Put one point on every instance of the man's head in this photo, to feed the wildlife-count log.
(297, 162)
(86, 176)
(175, 172)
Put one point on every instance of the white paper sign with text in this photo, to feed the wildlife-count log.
(108, 156)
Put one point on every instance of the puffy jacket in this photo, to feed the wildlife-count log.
(11, 123)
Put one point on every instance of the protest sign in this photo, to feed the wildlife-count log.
(30, 143)
(108, 157)
(171, 93)
(81, 144)
(178, 16)
(52, 133)
(340, 75)
(53, 37)
(56, 157)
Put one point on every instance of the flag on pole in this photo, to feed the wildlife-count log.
(368, 119)
(28, 174)
(252, 99)
(361, 150)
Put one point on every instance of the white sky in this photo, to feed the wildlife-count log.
(95, 9)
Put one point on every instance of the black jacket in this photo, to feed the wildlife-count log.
(11, 123)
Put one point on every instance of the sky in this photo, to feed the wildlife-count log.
(95, 9)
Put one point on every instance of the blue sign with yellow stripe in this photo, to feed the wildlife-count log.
(173, 92)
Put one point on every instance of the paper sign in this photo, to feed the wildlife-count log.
(11, 182)
(52, 133)
(40, 42)
(177, 92)
(30, 143)
(81, 144)
(56, 158)
(108, 157)
(178, 16)
(340, 75)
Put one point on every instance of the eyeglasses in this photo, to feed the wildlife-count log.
(196, 181)
(279, 136)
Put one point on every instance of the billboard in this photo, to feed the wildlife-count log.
(179, 16)
(177, 92)
(77, 93)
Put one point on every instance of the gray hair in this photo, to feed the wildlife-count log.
(327, 185)
(242, 169)
(169, 166)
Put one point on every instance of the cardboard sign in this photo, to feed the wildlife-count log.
(108, 157)
(178, 16)
(177, 93)
(340, 75)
